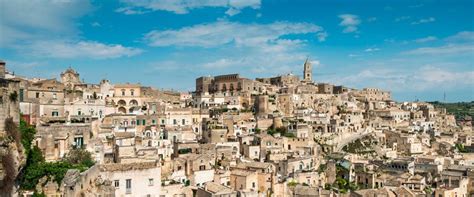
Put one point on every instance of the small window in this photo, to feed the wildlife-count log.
(37, 95)
(150, 182)
(128, 184)
(117, 183)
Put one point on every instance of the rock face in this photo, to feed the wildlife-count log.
(12, 156)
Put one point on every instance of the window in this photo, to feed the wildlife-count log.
(253, 184)
(21, 95)
(144, 122)
(37, 95)
(153, 121)
(79, 142)
(150, 182)
(202, 167)
(123, 92)
(55, 113)
(174, 122)
(132, 92)
(117, 183)
(183, 122)
(128, 186)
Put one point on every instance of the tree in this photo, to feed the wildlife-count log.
(80, 157)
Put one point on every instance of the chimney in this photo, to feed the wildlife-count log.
(2, 69)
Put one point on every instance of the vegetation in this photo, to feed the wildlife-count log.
(27, 135)
(292, 183)
(282, 131)
(360, 146)
(459, 110)
(184, 151)
(12, 131)
(36, 167)
(322, 168)
(8, 164)
(14, 96)
(344, 186)
(257, 131)
(461, 148)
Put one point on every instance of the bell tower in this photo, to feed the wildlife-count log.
(308, 71)
(2, 69)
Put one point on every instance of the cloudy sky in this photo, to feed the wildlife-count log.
(416, 49)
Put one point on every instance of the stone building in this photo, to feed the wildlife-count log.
(225, 84)
(308, 71)
(70, 78)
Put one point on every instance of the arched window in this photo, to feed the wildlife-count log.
(122, 110)
(123, 92)
(121, 103)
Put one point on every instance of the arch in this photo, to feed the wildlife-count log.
(133, 102)
(121, 103)
(122, 110)
(320, 129)
(130, 110)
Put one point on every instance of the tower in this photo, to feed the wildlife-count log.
(2, 69)
(308, 71)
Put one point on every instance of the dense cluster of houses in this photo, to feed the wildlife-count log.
(234, 136)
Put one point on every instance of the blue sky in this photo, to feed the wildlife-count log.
(416, 49)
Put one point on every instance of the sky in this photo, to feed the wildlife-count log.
(418, 50)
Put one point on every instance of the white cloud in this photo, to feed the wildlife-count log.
(224, 32)
(349, 22)
(402, 18)
(221, 63)
(96, 24)
(184, 6)
(464, 36)
(130, 11)
(322, 36)
(372, 19)
(80, 49)
(416, 6)
(371, 49)
(49, 28)
(426, 39)
(424, 20)
(248, 49)
(427, 77)
(450, 49)
(27, 20)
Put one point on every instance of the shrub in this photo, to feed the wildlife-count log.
(8, 164)
(27, 135)
(14, 96)
(12, 131)
(79, 157)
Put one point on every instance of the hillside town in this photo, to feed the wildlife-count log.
(286, 135)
